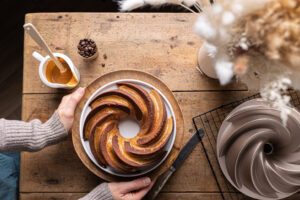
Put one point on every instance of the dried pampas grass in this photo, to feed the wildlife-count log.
(274, 31)
(258, 41)
(272, 38)
(217, 25)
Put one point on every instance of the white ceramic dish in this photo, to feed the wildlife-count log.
(42, 69)
(87, 109)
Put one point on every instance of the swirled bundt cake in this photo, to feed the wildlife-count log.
(107, 144)
(257, 153)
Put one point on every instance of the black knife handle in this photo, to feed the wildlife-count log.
(183, 154)
(188, 148)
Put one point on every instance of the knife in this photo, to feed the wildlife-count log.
(184, 153)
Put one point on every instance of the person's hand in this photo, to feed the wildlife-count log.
(133, 190)
(67, 107)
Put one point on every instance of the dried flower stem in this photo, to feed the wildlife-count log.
(198, 6)
(189, 9)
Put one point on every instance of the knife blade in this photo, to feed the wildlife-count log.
(184, 153)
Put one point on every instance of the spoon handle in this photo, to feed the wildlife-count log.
(35, 35)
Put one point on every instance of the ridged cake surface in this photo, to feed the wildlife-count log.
(128, 101)
(257, 153)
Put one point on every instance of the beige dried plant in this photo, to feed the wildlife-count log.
(274, 31)
(258, 41)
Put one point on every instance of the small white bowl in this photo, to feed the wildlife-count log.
(42, 69)
(87, 109)
(206, 62)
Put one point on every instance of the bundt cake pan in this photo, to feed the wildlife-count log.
(110, 89)
(258, 154)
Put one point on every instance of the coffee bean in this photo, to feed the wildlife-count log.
(87, 48)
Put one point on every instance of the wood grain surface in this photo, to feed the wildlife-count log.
(161, 196)
(56, 172)
(136, 75)
(67, 173)
(162, 44)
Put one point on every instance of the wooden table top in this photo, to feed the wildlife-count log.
(162, 44)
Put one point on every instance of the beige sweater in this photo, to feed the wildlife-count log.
(33, 136)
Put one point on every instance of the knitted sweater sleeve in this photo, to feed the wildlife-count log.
(101, 192)
(34, 136)
(30, 136)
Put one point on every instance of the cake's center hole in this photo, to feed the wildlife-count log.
(128, 128)
(268, 148)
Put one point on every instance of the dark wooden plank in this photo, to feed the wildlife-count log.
(11, 96)
(161, 196)
(51, 196)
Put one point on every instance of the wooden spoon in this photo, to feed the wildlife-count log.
(35, 35)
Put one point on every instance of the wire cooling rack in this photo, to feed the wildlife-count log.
(210, 122)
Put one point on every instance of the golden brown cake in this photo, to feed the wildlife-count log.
(106, 142)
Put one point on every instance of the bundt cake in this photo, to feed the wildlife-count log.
(128, 101)
(257, 153)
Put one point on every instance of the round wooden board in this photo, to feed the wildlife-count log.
(128, 74)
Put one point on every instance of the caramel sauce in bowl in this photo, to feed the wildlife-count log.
(51, 75)
(54, 75)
